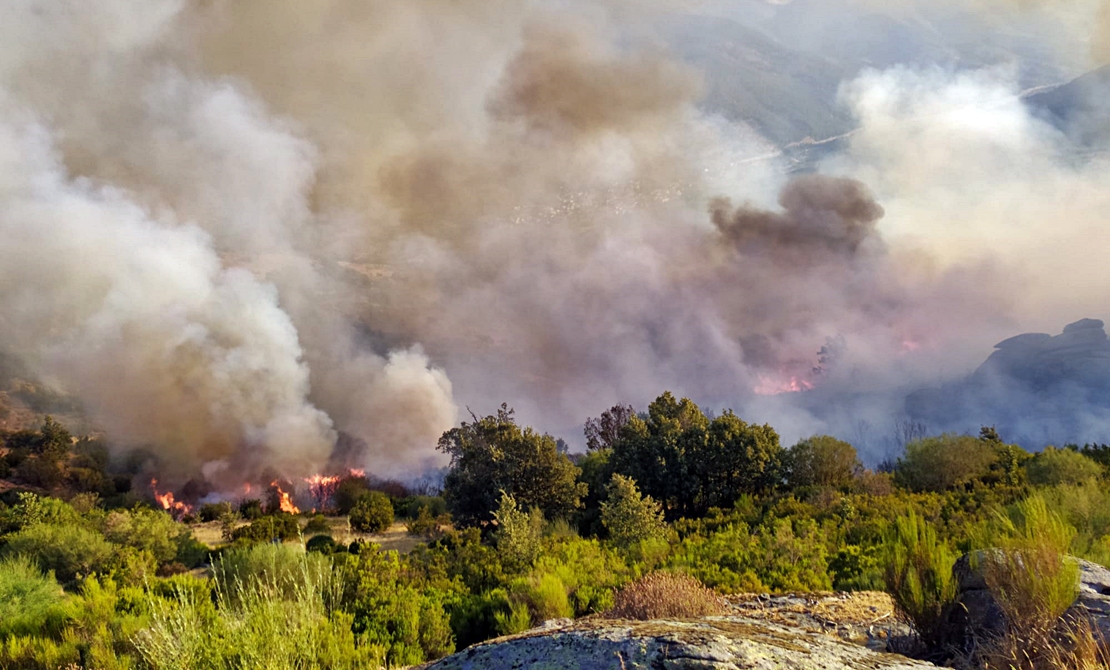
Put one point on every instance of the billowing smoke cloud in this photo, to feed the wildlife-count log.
(239, 229)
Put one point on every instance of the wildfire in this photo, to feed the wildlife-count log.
(285, 501)
(322, 488)
(357, 472)
(174, 507)
(771, 385)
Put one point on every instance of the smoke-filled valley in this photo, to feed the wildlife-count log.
(240, 233)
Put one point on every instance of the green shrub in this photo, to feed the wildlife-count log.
(373, 513)
(630, 517)
(213, 511)
(1053, 467)
(269, 528)
(251, 509)
(281, 568)
(424, 525)
(1027, 568)
(69, 551)
(918, 576)
(322, 544)
(317, 524)
(944, 462)
(518, 533)
(30, 602)
(146, 529)
(821, 461)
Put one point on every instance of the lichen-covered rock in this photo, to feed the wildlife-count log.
(712, 643)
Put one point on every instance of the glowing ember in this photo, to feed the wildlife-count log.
(174, 507)
(285, 501)
(769, 385)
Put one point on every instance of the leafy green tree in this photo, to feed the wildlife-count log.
(689, 463)
(69, 551)
(1061, 466)
(821, 460)
(493, 455)
(944, 463)
(373, 513)
(629, 516)
(518, 533)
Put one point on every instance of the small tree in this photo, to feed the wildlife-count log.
(518, 533)
(373, 513)
(629, 516)
(821, 460)
(494, 454)
(1061, 466)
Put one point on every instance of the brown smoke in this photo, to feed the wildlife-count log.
(824, 217)
(269, 223)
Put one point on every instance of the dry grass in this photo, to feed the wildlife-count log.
(663, 595)
(1071, 643)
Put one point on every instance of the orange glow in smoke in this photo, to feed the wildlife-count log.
(773, 385)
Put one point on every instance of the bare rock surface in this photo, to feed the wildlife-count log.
(711, 643)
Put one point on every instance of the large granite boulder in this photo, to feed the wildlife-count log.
(1035, 388)
(980, 616)
(712, 643)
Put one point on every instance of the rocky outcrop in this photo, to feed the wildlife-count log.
(980, 616)
(1035, 388)
(711, 643)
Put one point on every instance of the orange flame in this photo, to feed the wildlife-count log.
(357, 472)
(285, 501)
(769, 385)
(174, 507)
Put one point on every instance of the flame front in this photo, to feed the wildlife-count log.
(174, 507)
(285, 501)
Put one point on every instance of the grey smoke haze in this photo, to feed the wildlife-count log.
(235, 229)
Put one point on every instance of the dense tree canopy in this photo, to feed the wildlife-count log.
(821, 460)
(492, 455)
(690, 463)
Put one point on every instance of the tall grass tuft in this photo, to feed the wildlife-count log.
(1034, 583)
(918, 576)
(265, 618)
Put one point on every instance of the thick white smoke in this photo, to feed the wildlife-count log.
(238, 229)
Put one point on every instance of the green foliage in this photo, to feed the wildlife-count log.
(30, 602)
(251, 509)
(406, 618)
(821, 461)
(493, 454)
(322, 544)
(1053, 467)
(373, 513)
(630, 517)
(944, 463)
(268, 528)
(518, 533)
(918, 575)
(213, 511)
(349, 491)
(424, 525)
(282, 568)
(68, 551)
(149, 530)
(689, 463)
(1026, 565)
(317, 524)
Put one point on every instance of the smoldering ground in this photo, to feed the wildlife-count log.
(236, 229)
